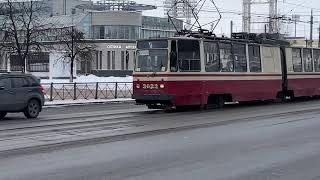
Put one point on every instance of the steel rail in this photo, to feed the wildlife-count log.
(155, 127)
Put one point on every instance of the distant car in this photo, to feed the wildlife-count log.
(20, 93)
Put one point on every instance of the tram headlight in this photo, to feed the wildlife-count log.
(162, 86)
(138, 86)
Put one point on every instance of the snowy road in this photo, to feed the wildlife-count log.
(123, 141)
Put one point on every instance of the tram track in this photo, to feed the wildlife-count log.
(98, 116)
(79, 123)
(72, 116)
(126, 126)
(96, 119)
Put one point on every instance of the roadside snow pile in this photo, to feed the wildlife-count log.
(93, 78)
(90, 79)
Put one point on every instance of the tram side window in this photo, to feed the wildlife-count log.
(173, 57)
(297, 60)
(212, 57)
(240, 58)
(226, 57)
(189, 55)
(254, 58)
(316, 54)
(307, 59)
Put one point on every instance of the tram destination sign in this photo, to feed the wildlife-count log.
(152, 44)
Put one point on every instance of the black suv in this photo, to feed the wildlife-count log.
(20, 93)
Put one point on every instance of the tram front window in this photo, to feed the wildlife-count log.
(152, 60)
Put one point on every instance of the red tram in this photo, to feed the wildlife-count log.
(206, 70)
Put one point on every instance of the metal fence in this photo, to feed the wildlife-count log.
(98, 90)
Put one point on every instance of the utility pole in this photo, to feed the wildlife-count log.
(274, 23)
(295, 18)
(265, 29)
(231, 28)
(73, 36)
(319, 37)
(311, 28)
(246, 17)
(295, 28)
(274, 19)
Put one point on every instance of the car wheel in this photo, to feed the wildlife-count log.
(2, 115)
(33, 109)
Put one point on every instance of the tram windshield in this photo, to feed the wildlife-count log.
(152, 56)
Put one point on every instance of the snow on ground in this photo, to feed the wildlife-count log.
(84, 101)
(90, 79)
(86, 87)
(85, 82)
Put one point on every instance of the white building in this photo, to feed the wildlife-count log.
(112, 26)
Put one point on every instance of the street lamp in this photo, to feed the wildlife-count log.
(73, 36)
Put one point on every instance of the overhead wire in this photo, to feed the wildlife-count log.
(285, 18)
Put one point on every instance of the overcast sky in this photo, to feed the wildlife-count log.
(230, 8)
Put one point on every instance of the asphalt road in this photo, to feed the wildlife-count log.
(88, 109)
(281, 145)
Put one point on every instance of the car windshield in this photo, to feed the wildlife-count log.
(153, 60)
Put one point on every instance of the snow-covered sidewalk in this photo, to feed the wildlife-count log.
(84, 101)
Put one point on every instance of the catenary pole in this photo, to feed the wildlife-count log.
(311, 28)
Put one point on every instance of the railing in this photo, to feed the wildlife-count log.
(98, 90)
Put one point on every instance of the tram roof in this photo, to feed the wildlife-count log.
(266, 39)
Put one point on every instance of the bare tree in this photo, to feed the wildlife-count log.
(22, 28)
(76, 48)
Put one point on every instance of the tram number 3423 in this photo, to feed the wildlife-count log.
(150, 86)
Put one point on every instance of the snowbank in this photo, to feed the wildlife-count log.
(83, 101)
(90, 79)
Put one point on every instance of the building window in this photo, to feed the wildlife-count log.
(297, 60)
(102, 32)
(240, 57)
(97, 59)
(3, 63)
(189, 55)
(113, 60)
(36, 62)
(15, 63)
(116, 32)
(127, 60)
(109, 60)
(212, 60)
(100, 60)
(226, 57)
(127, 33)
(134, 59)
(254, 58)
(121, 32)
(307, 60)
(122, 60)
